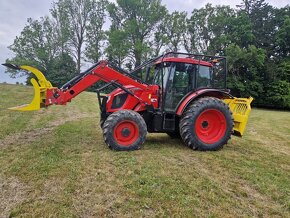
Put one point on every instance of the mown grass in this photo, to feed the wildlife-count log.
(54, 163)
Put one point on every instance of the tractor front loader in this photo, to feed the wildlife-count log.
(183, 95)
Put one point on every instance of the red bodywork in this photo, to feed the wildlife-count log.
(203, 92)
(143, 94)
(132, 102)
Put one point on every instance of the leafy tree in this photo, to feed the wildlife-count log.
(169, 34)
(136, 20)
(62, 69)
(79, 22)
(283, 38)
(118, 46)
(175, 25)
(37, 45)
(95, 34)
(208, 29)
(278, 94)
(244, 66)
(261, 15)
(240, 30)
(160, 38)
(199, 31)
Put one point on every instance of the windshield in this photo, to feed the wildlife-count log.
(161, 72)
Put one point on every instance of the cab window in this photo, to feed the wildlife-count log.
(181, 81)
(161, 73)
(204, 77)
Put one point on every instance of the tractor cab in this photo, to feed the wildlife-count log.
(182, 74)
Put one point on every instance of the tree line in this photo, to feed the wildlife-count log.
(255, 37)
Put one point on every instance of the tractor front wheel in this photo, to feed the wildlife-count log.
(206, 125)
(124, 130)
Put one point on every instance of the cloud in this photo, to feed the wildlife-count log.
(13, 17)
(182, 5)
(14, 14)
(189, 5)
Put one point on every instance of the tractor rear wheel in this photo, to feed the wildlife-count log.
(124, 130)
(206, 125)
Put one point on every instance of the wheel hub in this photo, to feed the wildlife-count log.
(126, 132)
(204, 124)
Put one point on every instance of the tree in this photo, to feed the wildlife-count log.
(136, 20)
(168, 34)
(175, 26)
(62, 27)
(283, 38)
(278, 94)
(37, 45)
(118, 46)
(207, 29)
(160, 38)
(240, 30)
(245, 67)
(62, 69)
(261, 15)
(78, 17)
(95, 33)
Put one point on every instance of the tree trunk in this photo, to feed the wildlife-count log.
(79, 59)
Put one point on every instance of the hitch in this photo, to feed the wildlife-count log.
(40, 88)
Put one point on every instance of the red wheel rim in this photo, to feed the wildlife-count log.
(210, 126)
(126, 133)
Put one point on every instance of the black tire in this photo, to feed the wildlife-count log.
(174, 135)
(198, 121)
(125, 130)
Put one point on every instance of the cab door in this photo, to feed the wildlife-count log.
(180, 82)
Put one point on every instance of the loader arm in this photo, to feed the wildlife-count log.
(45, 94)
(83, 81)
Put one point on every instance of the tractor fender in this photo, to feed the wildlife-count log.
(192, 96)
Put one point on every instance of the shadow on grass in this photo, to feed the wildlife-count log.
(161, 140)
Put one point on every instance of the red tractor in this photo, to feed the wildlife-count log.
(183, 95)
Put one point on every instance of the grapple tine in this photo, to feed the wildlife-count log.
(35, 104)
(41, 85)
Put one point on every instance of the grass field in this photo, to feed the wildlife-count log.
(54, 163)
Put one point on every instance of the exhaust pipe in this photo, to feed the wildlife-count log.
(40, 88)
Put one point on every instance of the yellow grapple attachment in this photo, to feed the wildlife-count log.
(241, 108)
(40, 88)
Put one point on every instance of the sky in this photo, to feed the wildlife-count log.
(14, 14)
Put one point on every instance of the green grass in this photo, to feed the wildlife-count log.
(54, 163)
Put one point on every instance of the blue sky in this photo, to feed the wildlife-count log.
(14, 14)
